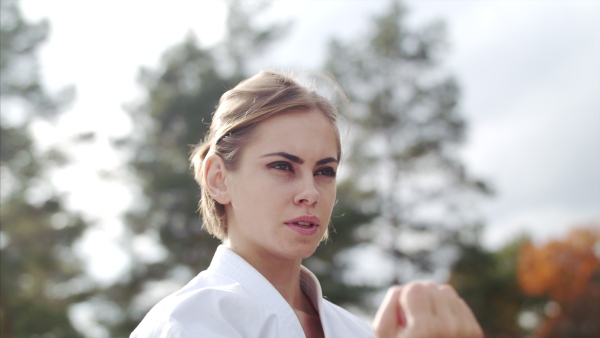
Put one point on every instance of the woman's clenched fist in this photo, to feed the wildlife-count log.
(425, 309)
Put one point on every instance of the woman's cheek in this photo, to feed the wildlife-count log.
(329, 194)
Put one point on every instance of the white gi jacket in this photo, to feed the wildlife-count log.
(232, 299)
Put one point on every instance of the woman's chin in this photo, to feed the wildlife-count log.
(301, 251)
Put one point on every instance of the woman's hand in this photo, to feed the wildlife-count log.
(424, 309)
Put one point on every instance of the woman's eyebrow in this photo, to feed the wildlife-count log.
(290, 157)
(298, 160)
(327, 160)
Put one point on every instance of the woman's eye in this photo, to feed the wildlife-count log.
(329, 172)
(283, 166)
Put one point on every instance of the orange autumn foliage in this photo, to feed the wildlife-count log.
(568, 272)
(561, 269)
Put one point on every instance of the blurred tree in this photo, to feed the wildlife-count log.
(40, 275)
(487, 281)
(568, 272)
(406, 129)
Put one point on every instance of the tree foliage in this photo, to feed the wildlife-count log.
(40, 275)
(406, 129)
(487, 281)
(567, 272)
(555, 283)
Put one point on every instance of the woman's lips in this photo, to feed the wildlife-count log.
(305, 225)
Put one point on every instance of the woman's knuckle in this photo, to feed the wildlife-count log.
(418, 287)
(448, 288)
(449, 327)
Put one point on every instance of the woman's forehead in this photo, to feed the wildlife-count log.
(299, 133)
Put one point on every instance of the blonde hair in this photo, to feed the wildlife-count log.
(240, 110)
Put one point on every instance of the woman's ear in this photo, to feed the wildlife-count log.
(214, 176)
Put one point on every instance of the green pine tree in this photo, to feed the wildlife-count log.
(487, 281)
(40, 275)
(406, 128)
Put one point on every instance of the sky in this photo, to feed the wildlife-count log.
(529, 73)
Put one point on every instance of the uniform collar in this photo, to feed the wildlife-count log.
(229, 264)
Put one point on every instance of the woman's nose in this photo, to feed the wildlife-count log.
(307, 193)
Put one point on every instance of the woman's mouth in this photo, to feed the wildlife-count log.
(305, 225)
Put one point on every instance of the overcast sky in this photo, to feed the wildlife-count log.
(529, 71)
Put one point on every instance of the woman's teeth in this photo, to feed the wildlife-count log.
(304, 224)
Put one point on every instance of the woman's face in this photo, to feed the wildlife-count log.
(283, 191)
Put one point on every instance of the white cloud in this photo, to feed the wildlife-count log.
(531, 79)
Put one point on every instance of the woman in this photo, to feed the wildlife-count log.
(267, 172)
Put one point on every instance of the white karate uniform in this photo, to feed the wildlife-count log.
(232, 299)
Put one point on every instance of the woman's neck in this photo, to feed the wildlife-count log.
(283, 274)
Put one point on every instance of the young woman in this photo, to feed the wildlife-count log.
(267, 171)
